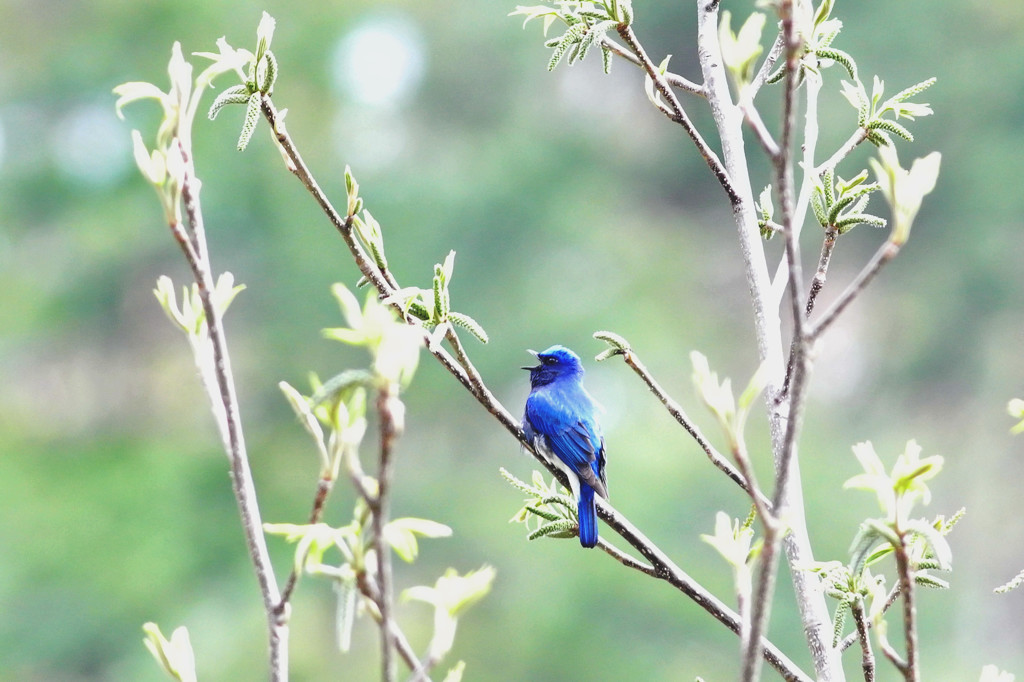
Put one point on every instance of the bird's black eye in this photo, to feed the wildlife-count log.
(548, 360)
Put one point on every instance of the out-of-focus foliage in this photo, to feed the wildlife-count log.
(116, 503)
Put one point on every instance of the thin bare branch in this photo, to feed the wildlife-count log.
(764, 507)
(885, 253)
(905, 569)
(756, 123)
(230, 427)
(818, 281)
(675, 80)
(675, 409)
(676, 112)
(854, 140)
(809, 145)
(766, 66)
(323, 491)
(625, 559)
(867, 658)
(343, 224)
(890, 599)
(380, 507)
(894, 657)
(369, 589)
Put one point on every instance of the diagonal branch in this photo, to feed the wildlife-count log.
(323, 490)
(370, 590)
(756, 123)
(766, 66)
(676, 410)
(667, 570)
(890, 599)
(343, 224)
(851, 143)
(677, 113)
(663, 567)
(675, 80)
(885, 253)
(818, 281)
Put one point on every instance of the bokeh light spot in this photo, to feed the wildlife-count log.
(379, 62)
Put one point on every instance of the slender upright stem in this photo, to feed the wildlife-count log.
(230, 424)
(323, 491)
(911, 671)
(867, 657)
(390, 425)
(818, 281)
(764, 585)
(809, 146)
(890, 599)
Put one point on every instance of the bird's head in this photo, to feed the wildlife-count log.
(555, 363)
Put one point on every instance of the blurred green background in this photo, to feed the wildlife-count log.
(574, 206)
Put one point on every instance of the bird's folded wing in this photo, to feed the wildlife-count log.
(570, 438)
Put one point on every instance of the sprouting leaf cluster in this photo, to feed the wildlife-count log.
(355, 545)
(450, 596)
(339, 406)
(839, 204)
(587, 24)
(164, 167)
(718, 397)
(190, 317)
(257, 71)
(549, 509)
(741, 50)
(872, 111)
(819, 32)
(854, 590)
(923, 542)
(393, 344)
(734, 540)
(765, 208)
(617, 345)
(854, 585)
(899, 490)
(433, 306)
(904, 188)
(174, 655)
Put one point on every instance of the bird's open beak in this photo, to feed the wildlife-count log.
(534, 354)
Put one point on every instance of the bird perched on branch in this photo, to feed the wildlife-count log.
(560, 420)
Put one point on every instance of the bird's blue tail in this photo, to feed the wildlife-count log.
(587, 516)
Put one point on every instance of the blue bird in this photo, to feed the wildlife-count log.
(560, 420)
